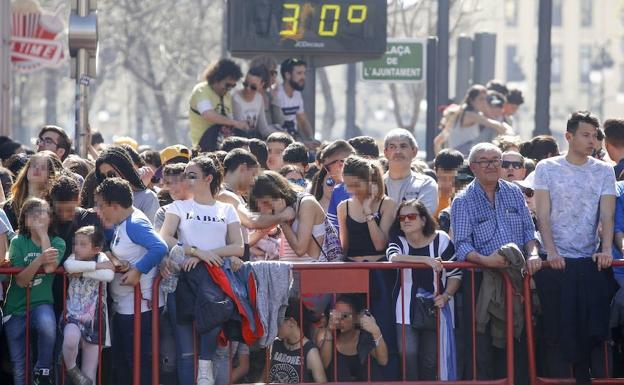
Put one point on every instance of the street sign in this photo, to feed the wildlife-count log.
(35, 41)
(404, 61)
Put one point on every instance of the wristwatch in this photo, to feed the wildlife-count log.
(193, 251)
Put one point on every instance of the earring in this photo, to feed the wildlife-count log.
(330, 182)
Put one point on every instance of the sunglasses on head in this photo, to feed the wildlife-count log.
(252, 87)
(528, 192)
(411, 217)
(514, 164)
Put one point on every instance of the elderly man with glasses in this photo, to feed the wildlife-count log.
(489, 214)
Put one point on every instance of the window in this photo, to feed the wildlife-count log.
(557, 13)
(513, 70)
(556, 66)
(511, 13)
(586, 13)
(584, 63)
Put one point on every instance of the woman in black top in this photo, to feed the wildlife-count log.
(357, 336)
(365, 218)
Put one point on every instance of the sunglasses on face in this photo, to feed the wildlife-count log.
(528, 192)
(515, 165)
(411, 217)
(341, 316)
(110, 174)
(298, 181)
(252, 87)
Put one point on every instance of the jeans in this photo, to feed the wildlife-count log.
(43, 322)
(420, 352)
(185, 338)
(123, 343)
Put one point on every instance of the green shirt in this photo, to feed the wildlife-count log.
(203, 98)
(21, 253)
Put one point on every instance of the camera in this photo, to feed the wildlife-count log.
(289, 126)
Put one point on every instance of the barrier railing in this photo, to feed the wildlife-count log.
(345, 277)
(352, 277)
(534, 379)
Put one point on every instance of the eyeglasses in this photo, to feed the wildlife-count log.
(528, 192)
(252, 87)
(229, 86)
(341, 161)
(488, 163)
(341, 316)
(46, 141)
(411, 217)
(515, 165)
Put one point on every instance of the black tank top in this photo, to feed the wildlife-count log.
(360, 242)
(286, 363)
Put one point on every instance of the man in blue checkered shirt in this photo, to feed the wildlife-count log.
(488, 214)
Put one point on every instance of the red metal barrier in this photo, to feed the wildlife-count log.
(344, 277)
(528, 314)
(352, 277)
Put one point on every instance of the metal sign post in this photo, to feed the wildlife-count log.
(83, 44)
(5, 68)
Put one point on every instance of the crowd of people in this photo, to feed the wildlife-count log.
(219, 226)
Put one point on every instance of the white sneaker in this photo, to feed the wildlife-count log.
(205, 375)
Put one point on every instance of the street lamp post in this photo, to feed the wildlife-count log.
(600, 63)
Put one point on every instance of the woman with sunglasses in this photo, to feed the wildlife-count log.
(210, 232)
(248, 104)
(422, 291)
(322, 190)
(294, 175)
(32, 182)
(273, 113)
(512, 166)
(114, 162)
(357, 336)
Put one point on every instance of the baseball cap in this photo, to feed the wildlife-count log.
(177, 152)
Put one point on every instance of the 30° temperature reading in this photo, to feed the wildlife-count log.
(328, 22)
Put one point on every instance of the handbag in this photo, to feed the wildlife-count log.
(423, 314)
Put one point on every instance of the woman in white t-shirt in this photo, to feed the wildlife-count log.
(210, 231)
(248, 103)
